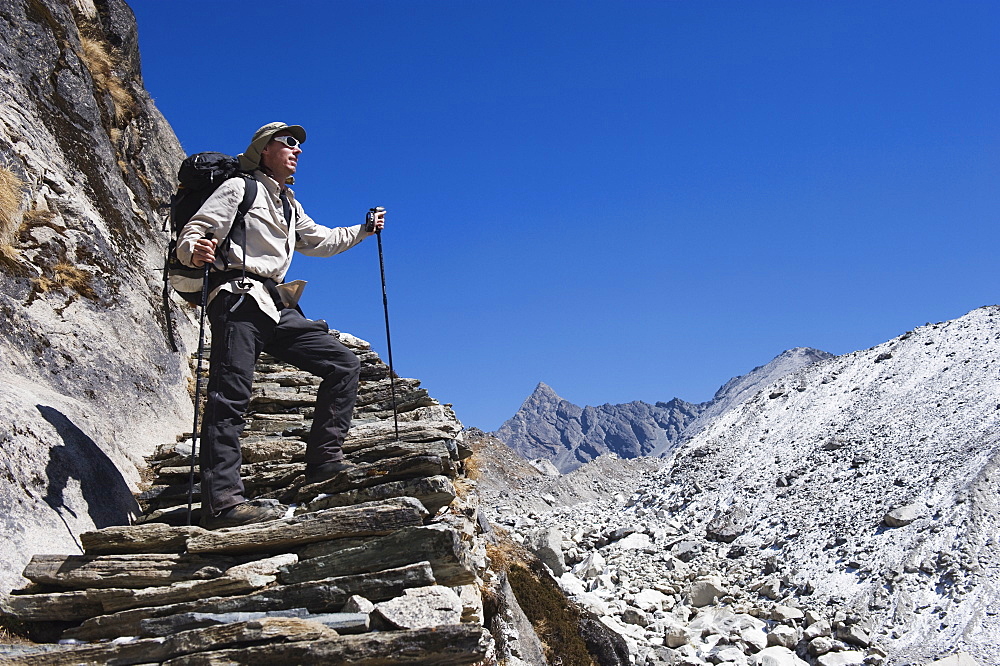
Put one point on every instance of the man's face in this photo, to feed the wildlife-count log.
(279, 158)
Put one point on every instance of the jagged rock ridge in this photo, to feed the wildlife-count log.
(547, 426)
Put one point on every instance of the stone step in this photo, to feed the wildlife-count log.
(126, 539)
(323, 596)
(176, 515)
(157, 650)
(343, 623)
(131, 570)
(164, 496)
(370, 519)
(383, 431)
(434, 492)
(284, 481)
(442, 547)
(82, 604)
(445, 645)
(442, 448)
(286, 378)
(373, 474)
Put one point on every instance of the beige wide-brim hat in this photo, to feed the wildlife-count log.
(250, 158)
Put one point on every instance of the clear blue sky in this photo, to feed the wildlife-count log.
(625, 200)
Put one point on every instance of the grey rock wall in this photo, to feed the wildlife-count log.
(89, 369)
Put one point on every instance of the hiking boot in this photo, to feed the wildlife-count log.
(245, 513)
(326, 471)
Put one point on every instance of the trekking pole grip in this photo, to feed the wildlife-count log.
(208, 264)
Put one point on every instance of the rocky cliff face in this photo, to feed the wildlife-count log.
(847, 513)
(549, 427)
(90, 366)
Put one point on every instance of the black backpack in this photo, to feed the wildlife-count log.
(199, 176)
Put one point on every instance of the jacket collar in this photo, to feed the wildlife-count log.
(272, 186)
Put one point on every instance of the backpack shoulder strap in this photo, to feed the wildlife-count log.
(249, 194)
(238, 232)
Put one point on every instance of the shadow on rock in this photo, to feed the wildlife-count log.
(109, 499)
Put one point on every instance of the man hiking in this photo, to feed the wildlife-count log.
(251, 311)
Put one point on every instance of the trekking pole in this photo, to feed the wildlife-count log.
(385, 308)
(197, 384)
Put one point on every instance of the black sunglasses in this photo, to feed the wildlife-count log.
(289, 141)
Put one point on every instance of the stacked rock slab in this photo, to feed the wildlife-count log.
(372, 566)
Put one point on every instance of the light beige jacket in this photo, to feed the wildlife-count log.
(270, 242)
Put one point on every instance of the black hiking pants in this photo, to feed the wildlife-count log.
(238, 338)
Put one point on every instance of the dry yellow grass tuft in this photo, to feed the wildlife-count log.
(473, 467)
(35, 218)
(13, 632)
(67, 277)
(74, 279)
(101, 65)
(504, 552)
(10, 213)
